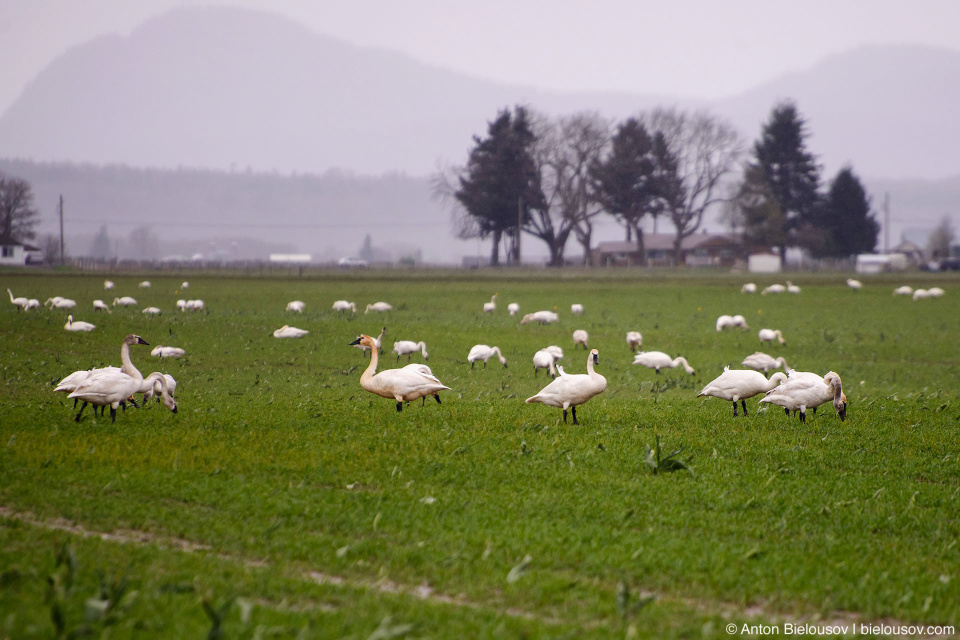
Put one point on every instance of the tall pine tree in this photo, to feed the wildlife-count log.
(845, 220)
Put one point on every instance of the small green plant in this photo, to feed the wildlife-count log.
(664, 464)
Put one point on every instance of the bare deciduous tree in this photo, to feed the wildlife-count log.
(18, 217)
(705, 150)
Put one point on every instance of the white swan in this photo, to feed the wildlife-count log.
(543, 317)
(403, 385)
(769, 335)
(634, 340)
(409, 347)
(184, 285)
(287, 331)
(79, 325)
(920, 293)
(934, 292)
(58, 302)
(723, 322)
(72, 381)
(144, 285)
(513, 308)
(49, 302)
(546, 359)
(763, 362)
(108, 284)
(740, 321)
(854, 284)
(804, 390)
(576, 309)
(580, 337)
(32, 303)
(792, 288)
(484, 352)
(740, 384)
(124, 301)
(571, 390)
(379, 307)
(490, 307)
(182, 304)
(109, 386)
(100, 305)
(162, 351)
(378, 341)
(749, 287)
(152, 311)
(659, 360)
(193, 305)
(774, 288)
(296, 305)
(345, 305)
(903, 291)
(155, 383)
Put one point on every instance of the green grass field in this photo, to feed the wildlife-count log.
(284, 501)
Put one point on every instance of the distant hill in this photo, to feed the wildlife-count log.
(230, 88)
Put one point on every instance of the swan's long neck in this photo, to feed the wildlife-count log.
(423, 348)
(776, 379)
(681, 361)
(500, 357)
(590, 371)
(11, 294)
(371, 368)
(128, 367)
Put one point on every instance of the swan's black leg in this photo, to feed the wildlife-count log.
(399, 407)
(743, 403)
(575, 414)
(436, 397)
(787, 411)
(471, 365)
(534, 372)
(113, 414)
(75, 402)
(564, 416)
(484, 364)
(803, 416)
(82, 407)
(423, 401)
(734, 408)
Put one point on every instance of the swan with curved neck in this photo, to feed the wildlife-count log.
(659, 360)
(111, 387)
(740, 384)
(403, 385)
(567, 391)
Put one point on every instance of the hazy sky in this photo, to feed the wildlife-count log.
(696, 48)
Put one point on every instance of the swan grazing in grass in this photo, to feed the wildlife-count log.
(156, 387)
(634, 340)
(731, 321)
(124, 301)
(805, 390)
(749, 287)
(345, 305)
(854, 284)
(109, 386)
(18, 302)
(920, 293)
(513, 308)
(659, 360)
(763, 362)
(152, 311)
(408, 348)
(769, 335)
(162, 351)
(580, 337)
(287, 331)
(58, 302)
(740, 384)
(903, 291)
(546, 359)
(543, 317)
(403, 385)
(182, 304)
(774, 288)
(379, 307)
(576, 309)
(484, 352)
(740, 321)
(934, 292)
(72, 381)
(792, 288)
(296, 305)
(108, 284)
(568, 390)
(79, 325)
(144, 285)
(32, 303)
(100, 305)
(193, 305)
(490, 307)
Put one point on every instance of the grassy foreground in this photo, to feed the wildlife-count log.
(284, 501)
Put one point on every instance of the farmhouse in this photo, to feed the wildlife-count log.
(697, 250)
(17, 254)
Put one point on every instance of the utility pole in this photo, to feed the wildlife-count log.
(61, 229)
(519, 225)
(886, 222)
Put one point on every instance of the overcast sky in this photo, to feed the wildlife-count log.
(692, 48)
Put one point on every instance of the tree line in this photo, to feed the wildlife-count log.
(551, 177)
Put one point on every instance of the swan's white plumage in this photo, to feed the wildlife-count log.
(634, 340)
(806, 390)
(490, 307)
(659, 360)
(792, 288)
(124, 301)
(739, 384)
(576, 309)
(296, 305)
(379, 307)
(543, 317)
(513, 308)
(287, 331)
(152, 311)
(769, 335)
(100, 305)
(749, 287)
(344, 305)
(763, 362)
(162, 351)
(568, 390)
(409, 347)
(110, 386)
(580, 337)
(108, 284)
(484, 352)
(403, 385)
(905, 290)
(774, 288)
(78, 325)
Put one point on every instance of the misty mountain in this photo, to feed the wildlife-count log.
(230, 88)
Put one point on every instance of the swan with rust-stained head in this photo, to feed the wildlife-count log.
(659, 360)
(484, 352)
(403, 385)
(111, 387)
(763, 362)
(740, 384)
(568, 391)
(806, 390)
